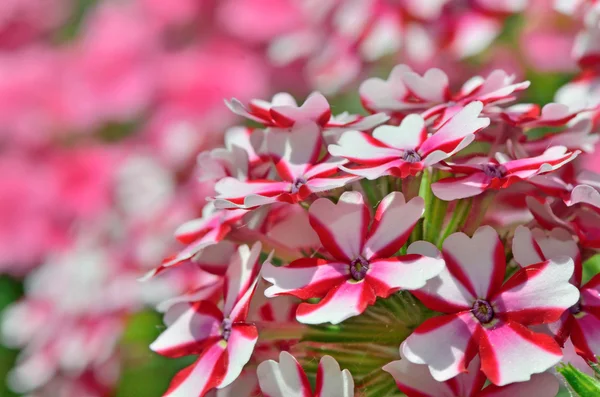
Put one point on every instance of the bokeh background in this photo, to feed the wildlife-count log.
(106, 104)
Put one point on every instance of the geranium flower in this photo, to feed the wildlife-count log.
(360, 264)
(407, 149)
(416, 381)
(299, 164)
(222, 338)
(581, 321)
(483, 315)
(482, 174)
(286, 378)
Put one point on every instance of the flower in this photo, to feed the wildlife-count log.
(483, 174)
(483, 315)
(416, 381)
(286, 378)
(407, 92)
(408, 149)
(222, 338)
(581, 320)
(360, 264)
(300, 166)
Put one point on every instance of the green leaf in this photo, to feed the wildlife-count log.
(584, 385)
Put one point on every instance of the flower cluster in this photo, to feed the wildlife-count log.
(388, 236)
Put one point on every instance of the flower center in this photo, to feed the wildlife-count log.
(483, 311)
(494, 171)
(411, 156)
(576, 308)
(226, 328)
(297, 185)
(359, 268)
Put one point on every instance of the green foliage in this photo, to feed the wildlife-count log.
(10, 291)
(582, 384)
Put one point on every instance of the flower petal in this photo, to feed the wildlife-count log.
(450, 189)
(315, 108)
(346, 300)
(240, 346)
(408, 135)
(449, 138)
(540, 385)
(294, 152)
(478, 263)
(512, 353)
(538, 293)
(361, 148)
(445, 343)
(404, 272)
(240, 281)
(331, 381)
(394, 221)
(304, 278)
(585, 335)
(341, 227)
(205, 374)
(191, 332)
(284, 378)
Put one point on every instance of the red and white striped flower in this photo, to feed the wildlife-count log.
(581, 322)
(300, 166)
(416, 381)
(361, 264)
(286, 378)
(483, 315)
(222, 338)
(481, 173)
(200, 233)
(405, 91)
(407, 149)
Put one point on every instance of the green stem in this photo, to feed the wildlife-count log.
(367, 187)
(427, 195)
(478, 211)
(461, 211)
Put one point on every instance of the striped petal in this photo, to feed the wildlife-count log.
(315, 108)
(304, 278)
(346, 300)
(240, 281)
(540, 385)
(205, 374)
(341, 227)
(538, 293)
(240, 346)
(446, 344)
(331, 381)
(294, 152)
(191, 332)
(404, 272)
(512, 353)
(394, 221)
(585, 335)
(408, 135)
(285, 378)
(450, 189)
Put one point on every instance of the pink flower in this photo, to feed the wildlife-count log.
(416, 381)
(212, 227)
(407, 92)
(483, 315)
(284, 112)
(482, 174)
(299, 164)
(222, 338)
(286, 378)
(407, 149)
(581, 321)
(361, 265)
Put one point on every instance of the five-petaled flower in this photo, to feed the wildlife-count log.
(481, 174)
(581, 322)
(300, 166)
(483, 315)
(407, 149)
(222, 338)
(361, 264)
